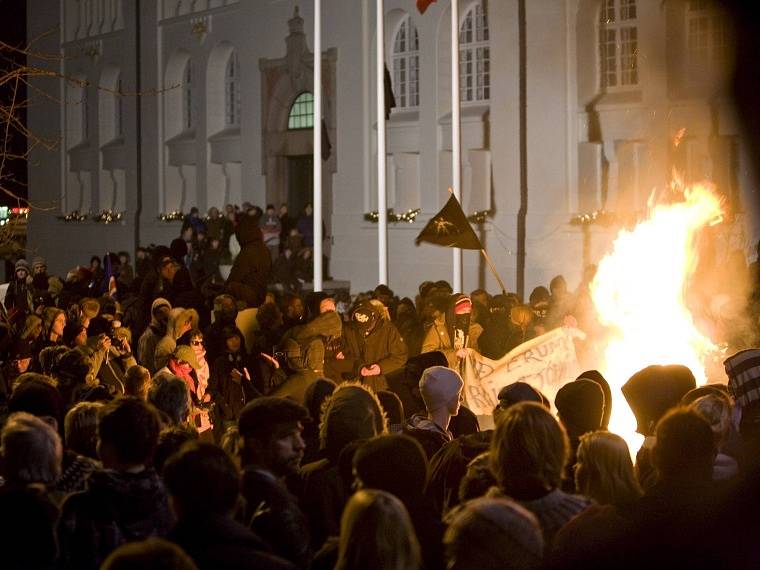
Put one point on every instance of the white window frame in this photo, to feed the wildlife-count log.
(406, 65)
(618, 45)
(232, 91)
(474, 55)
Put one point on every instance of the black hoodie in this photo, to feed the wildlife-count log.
(250, 272)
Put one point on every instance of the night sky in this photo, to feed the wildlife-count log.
(13, 32)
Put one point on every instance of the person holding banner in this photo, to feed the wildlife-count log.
(452, 333)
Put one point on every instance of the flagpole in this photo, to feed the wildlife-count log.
(382, 197)
(317, 143)
(456, 150)
(490, 263)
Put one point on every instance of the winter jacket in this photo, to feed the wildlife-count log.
(383, 346)
(216, 542)
(117, 508)
(274, 515)
(431, 436)
(250, 272)
(146, 345)
(230, 396)
(168, 344)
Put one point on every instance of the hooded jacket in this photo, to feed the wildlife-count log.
(146, 346)
(168, 344)
(352, 413)
(382, 344)
(307, 364)
(250, 272)
(117, 508)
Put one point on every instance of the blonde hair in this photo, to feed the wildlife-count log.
(604, 470)
(716, 410)
(377, 534)
(529, 449)
(137, 381)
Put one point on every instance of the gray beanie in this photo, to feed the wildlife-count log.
(22, 264)
(438, 386)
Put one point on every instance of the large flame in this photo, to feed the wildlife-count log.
(639, 292)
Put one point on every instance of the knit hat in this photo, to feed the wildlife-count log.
(654, 390)
(187, 354)
(22, 264)
(596, 376)
(743, 370)
(38, 262)
(439, 385)
(580, 405)
(517, 392)
(158, 303)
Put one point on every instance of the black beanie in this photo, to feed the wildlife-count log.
(580, 405)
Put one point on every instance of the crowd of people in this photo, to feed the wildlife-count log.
(147, 424)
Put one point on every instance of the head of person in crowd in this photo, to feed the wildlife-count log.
(39, 266)
(89, 308)
(493, 533)
(351, 413)
(202, 480)
(49, 357)
(716, 409)
(74, 334)
(150, 554)
(137, 382)
(80, 428)
(170, 395)
(441, 390)
(654, 390)
(482, 298)
(53, 323)
(477, 479)
(233, 340)
(376, 533)
(127, 434)
(170, 440)
(684, 450)
(522, 317)
(168, 267)
(393, 463)
(314, 304)
(160, 310)
(270, 430)
(232, 444)
(269, 317)
(558, 289)
(598, 378)
(225, 309)
(394, 409)
(21, 270)
(36, 394)
(316, 394)
(580, 406)
(604, 470)
(292, 308)
(539, 301)
(366, 318)
(32, 328)
(94, 263)
(31, 451)
(20, 356)
(529, 450)
(512, 394)
(384, 294)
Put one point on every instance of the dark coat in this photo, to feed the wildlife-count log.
(274, 515)
(383, 346)
(117, 508)
(229, 396)
(216, 542)
(250, 272)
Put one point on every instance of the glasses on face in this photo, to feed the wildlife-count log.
(196, 343)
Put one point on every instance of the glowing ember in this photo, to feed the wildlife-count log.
(639, 294)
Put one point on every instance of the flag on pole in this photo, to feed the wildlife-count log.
(450, 228)
(423, 5)
(390, 98)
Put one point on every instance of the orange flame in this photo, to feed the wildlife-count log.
(639, 293)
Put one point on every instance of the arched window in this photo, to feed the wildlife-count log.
(188, 121)
(474, 55)
(406, 65)
(232, 92)
(618, 44)
(302, 112)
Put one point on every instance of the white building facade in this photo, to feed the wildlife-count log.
(224, 111)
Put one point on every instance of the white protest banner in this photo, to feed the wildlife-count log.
(545, 362)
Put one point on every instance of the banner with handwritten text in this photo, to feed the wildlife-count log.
(545, 362)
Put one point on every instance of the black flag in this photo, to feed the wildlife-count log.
(390, 98)
(450, 228)
(326, 144)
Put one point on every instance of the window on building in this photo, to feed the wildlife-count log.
(302, 112)
(118, 117)
(707, 36)
(618, 44)
(188, 121)
(474, 55)
(232, 92)
(406, 65)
